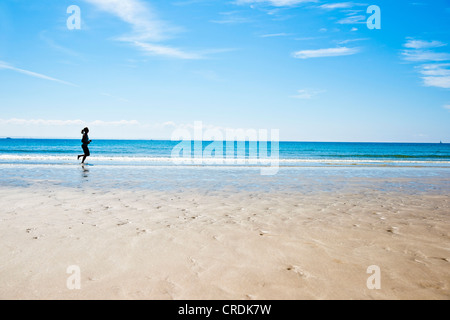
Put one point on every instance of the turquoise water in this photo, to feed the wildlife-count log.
(303, 167)
(119, 152)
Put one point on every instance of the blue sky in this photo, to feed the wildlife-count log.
(140, 69)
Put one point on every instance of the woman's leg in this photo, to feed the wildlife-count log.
(86, 153)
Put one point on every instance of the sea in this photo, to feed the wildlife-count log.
(175, 165)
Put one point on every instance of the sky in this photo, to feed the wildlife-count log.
(141, 69)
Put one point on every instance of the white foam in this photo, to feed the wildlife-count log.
(210, 161)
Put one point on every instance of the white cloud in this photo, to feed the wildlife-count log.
(42, 122)
(353, 19)
(424, 56)
(420, 44)
(276, 3)
(26, 122)
(152, 49)
(274, 35)
(114, 123)
(419, 51)
(436, 75)
(435, 70)
(439, 82)
(138, 14)
(7, 66)
(307, 94)
(447, 107)
(231, 17)
(331, 52)
(169, 124)
(232, 20)
(340, 5)
(352, 40)
(352, 15)
(146, 27)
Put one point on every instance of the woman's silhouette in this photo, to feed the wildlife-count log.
(85, 140)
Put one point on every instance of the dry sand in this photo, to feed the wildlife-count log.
(222, 245)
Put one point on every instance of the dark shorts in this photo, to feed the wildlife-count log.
(86, 150)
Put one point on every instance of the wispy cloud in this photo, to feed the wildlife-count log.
(342, 42)
(447, 107)
(113, 97)
(339, 5)
(232, 20)
(420, 51)
(420, 44)
(114, 123)
(231, 17)
(7, 66)
(139, 15)
(42, 122)
(27, 122)
(424, 56)
(352, 11)
(321, 53)
(434, 72)
(353, 19)
(439, 82)
(52, 44)
(307, 94)
(276, 3)
(147, 29)
(273, 35)
(171, 52)
(167, 51)
(308, 38)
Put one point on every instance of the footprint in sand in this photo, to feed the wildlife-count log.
(299, 271)
(196, 268)
(140, 231)
(393, 230)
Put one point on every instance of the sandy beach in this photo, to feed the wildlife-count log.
(196, 244)
(224, 150)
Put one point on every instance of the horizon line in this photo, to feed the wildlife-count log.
(281, 141)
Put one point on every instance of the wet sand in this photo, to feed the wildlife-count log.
(223, 245)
